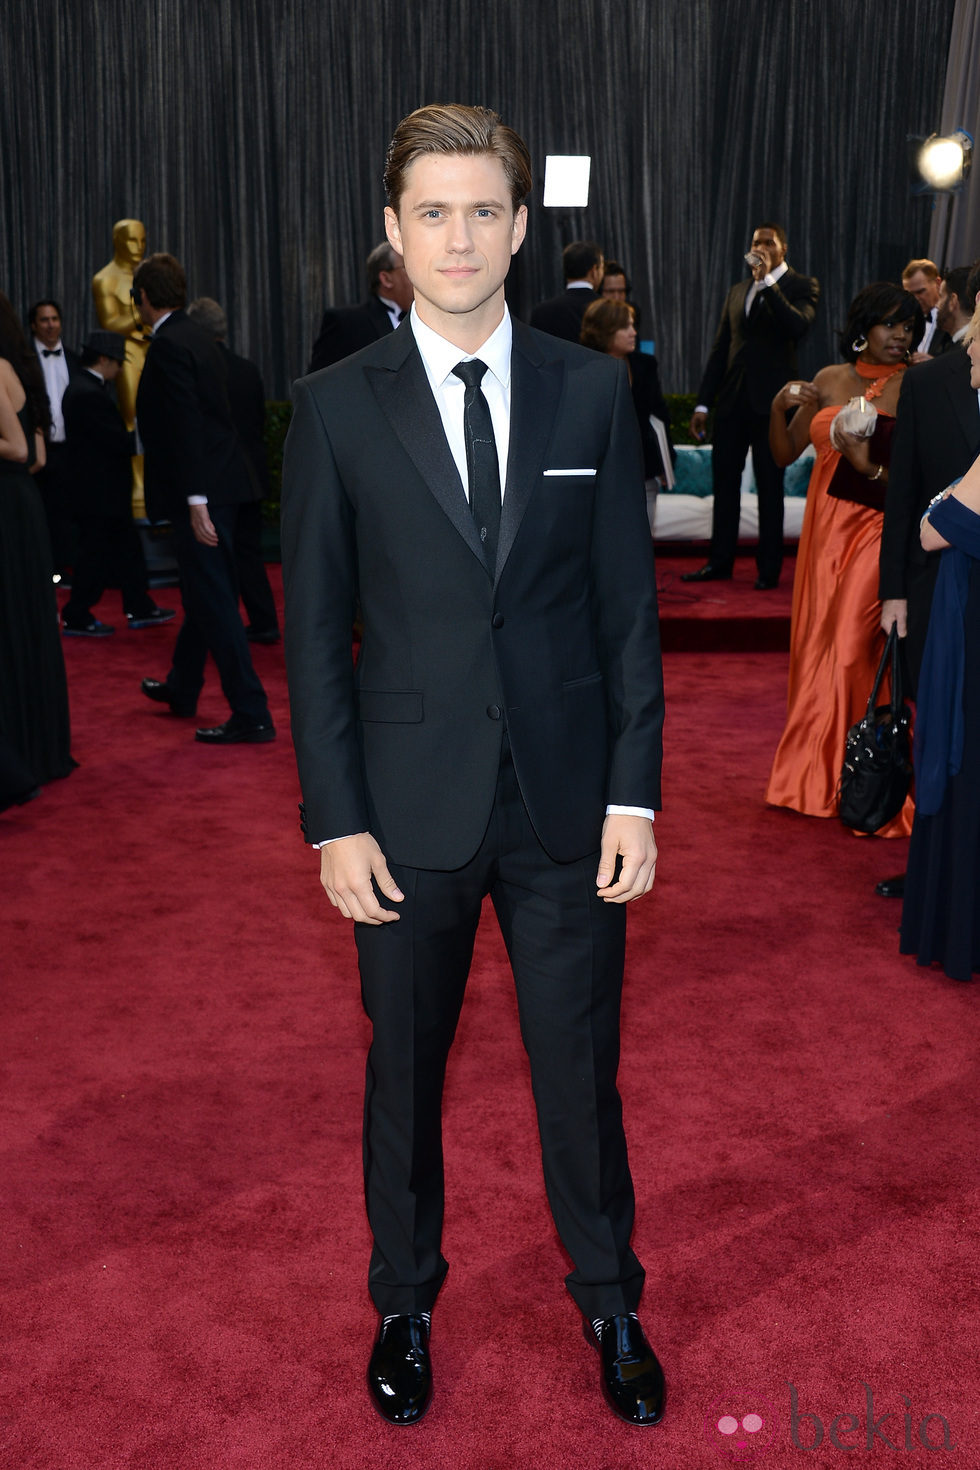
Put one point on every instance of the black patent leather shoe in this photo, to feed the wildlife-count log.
(400, 1372)
(633, 1382)
(161, 692)
(236, 732)
(891, 887)
(712, 571)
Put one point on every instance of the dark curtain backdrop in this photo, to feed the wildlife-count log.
(249, 137)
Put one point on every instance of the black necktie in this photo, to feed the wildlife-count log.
(50, 351)
(482, 468)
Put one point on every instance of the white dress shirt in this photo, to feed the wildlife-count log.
(769, 279)
(930, 331)
(55, 370)
(439, 357)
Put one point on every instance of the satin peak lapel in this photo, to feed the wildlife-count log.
(535, 391)
(404, 396)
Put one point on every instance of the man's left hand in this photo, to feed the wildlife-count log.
(632, 839)
(203, 526)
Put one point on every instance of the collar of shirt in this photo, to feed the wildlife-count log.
(159, 322)
(960, 333)
(579, 286)
(96, 374)
(391, 307)
(439, 357)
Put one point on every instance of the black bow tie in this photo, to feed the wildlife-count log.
(50, 351)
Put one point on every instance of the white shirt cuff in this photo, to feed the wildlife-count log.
(630, 811)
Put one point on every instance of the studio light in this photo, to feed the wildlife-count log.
(943, 164)
(566, 180)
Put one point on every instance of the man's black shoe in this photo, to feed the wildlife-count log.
(400, 1372)
(236, 731)
(262, 635)
(633, 1383)
(891, 887)
(766, 584)
(151, 620)
(161, 692)
(94, 629)
(712, 571)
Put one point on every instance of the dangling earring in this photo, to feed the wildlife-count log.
(859, 344)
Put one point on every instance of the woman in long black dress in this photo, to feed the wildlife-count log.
(34, 729)
(609, 326)
(941, 914)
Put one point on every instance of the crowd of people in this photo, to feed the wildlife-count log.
(886, 440)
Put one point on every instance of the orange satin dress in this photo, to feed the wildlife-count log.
(835, 639)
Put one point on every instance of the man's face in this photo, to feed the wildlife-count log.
(47, 326)
(456, 231)
(924, 288)
(395, 285)
(766, 242)
(109, 368)
(613, 288)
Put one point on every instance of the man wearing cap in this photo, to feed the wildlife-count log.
(99, 447)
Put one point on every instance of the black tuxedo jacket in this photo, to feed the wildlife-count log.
(346, 329)
(936, 439)
(246, 398)
(561, 315)
(184, 420)
(99, 449)
(754, 356)
(559, 643)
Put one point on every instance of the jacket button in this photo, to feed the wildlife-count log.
(493, 710)
(498, 620)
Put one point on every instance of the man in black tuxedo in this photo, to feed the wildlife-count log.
(753, 355)
(475, 488)
(346, 329)
(922, 280)
(246, 397)
(196, 476)
(100, 450)
(58, 365)
(561, 316)
(936, 439)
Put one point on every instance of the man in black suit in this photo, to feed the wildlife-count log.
(246, 396)
(196, 476)
(955, 307)
(561, 316)
(476, 489)
(936, 439)
(58, 364)
(346, 329)
(100, 449)
(922, 280)
(753, 355)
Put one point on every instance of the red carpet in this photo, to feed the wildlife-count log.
(184, 1245)
(721, 617)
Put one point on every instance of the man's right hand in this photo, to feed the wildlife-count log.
(698, 425)
(346, 869)
(895, 610)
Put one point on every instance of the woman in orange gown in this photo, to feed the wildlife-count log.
(836, 641)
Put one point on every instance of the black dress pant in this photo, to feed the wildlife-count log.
(55, 485)
(110, 554)
(253, 579)
(735, 433)
(566, 949)
(209, 590)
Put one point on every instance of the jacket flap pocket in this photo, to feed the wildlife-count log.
(390, 706)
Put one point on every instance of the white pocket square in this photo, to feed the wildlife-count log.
(569, 472)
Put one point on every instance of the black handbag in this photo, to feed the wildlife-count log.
(877, 770)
